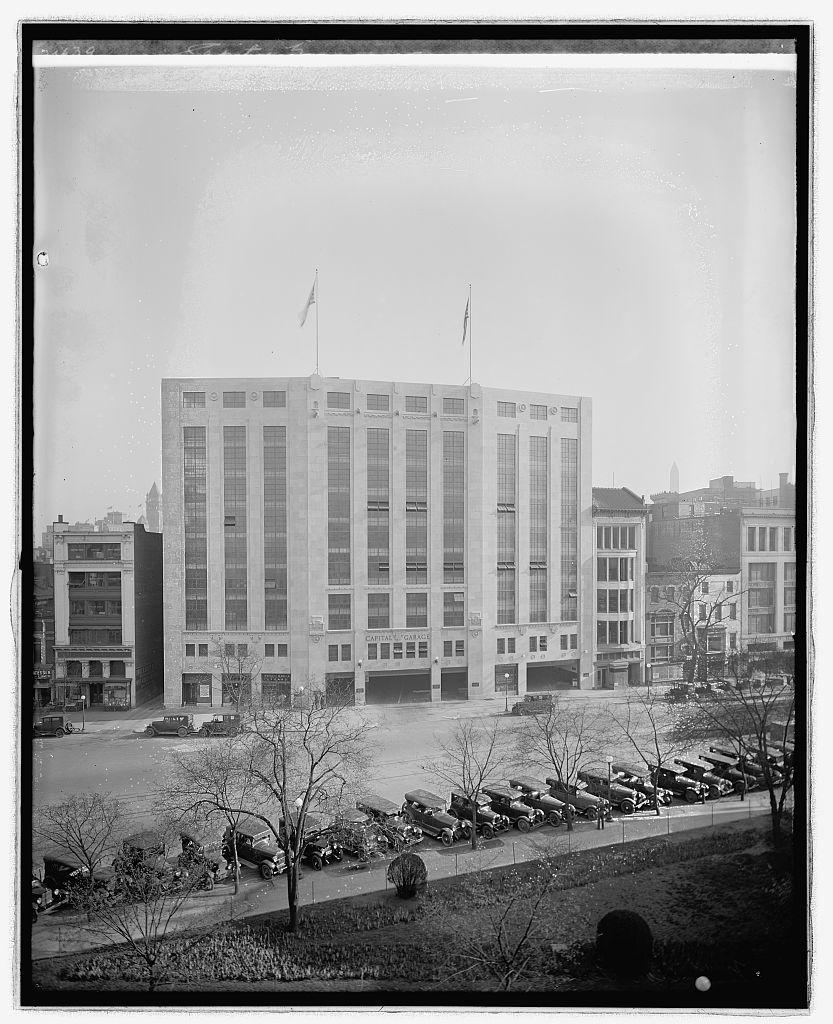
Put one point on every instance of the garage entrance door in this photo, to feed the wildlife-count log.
(398, 687)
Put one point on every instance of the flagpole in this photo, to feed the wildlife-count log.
(470, 377)
(317, 303)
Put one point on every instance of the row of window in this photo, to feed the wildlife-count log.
(95, 637)
(765, 538)
(378, 610)
(94, 552)
(614, 601)
(234, 399)
(95, 669)
(509, 410)
(764, 622)
(614, 632)
(568, 641)
(237, 650)
(94, 607)
(95, 580)
(669, 593)
(614, 570)
(616, 538)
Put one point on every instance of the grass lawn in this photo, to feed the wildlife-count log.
(713, 900)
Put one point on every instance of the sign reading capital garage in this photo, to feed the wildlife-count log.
(377, 638)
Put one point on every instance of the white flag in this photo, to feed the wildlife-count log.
(302, 316)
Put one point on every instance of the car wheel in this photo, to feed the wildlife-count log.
(523, 824)
(182, 732)
(446, 838)
(627, 807)
(691, 797)
(69, 727)
(554, 818)
(59, 733)
(266, 870)
(591, 813)
(316, 862)
(337, 855)
(150, 731)
(408, 816)
(488, 832)
(203, 732)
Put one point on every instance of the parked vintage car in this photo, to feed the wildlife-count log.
(320, 845)
(221, 725)
(359, 835)
(579, 797)
(397, 832)
(142, 851)
(533, 704)
(638, 777)
(702, 771)
(429, 812)
(728, 768)
(62, 872)
(172, 725)
(681, 692)
(508, 801)
(53, 725)
(41, 898)
(749, 762)
(256, 847)
(201, 857)
(533, 792)
(679, 784)
(599, 783)
(489, 821)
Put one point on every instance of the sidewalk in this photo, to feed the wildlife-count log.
(60, 933)
(108, 720)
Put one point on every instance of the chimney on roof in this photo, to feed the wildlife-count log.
(783, 478)
(60, 519)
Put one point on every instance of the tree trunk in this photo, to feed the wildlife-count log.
(474, 825)
(236, 869)
(568, 815)
(292, 895)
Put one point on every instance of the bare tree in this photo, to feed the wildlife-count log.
(745, 715)
(212, 785)
(472, 755)
(239, 665)
(86, 827)
(642, 720)
(138, 911)
(567, 737)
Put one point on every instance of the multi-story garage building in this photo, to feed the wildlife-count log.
(409, 541)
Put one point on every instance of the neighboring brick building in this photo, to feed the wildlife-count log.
(43, 665)
(108, 615)
(412, 541)
(619, 517)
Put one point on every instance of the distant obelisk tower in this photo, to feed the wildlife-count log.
(675, 479)
(153, 510)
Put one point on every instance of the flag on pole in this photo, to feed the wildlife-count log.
(302, 316)
(465, 322)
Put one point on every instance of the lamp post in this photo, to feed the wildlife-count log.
(506, 692)
(648, 679)
(301, 697)
(83, 716)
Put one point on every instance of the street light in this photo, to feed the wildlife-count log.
(506, 691)
(83, 717)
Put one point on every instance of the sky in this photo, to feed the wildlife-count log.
(628, 236)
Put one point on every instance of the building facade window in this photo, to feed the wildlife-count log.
(189, 651)
(235, 541)
(510, 645)
(378, 504)
(453, 608)
(332, 652)
(751, 535)
(338, 505)
(346, 652)
(538, 527)
(448, 649)
(196, 688)
(371, 652)
(454, 505)
(416, 403)
(788, 538)
(338, 399)
(378, 403)
(234, 399)
(506, 527)
(274, 399)
(193, 399)
(378, 611)
(269, 650)
(537, 412)
(501, 645)
(196, 537)
(338, 611)
(274, 528)
(569, 528)
(93, 552)
(459, 648)
(416, 506)
(569, 415)
(416, 610)
(533, 645)
(508, 410)
(454, 406)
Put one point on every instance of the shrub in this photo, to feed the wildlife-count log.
(624, 943)
(408, 874)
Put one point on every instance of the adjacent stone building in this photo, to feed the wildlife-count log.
(406, 541)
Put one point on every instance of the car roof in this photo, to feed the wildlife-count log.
(629, 768)
(356, 816)
(63, 858)
(720, 758)
(482, 798)
(422, 796)
(502, 790)
(378, 803)
(693, 759)
(527, 780)
(252, 826)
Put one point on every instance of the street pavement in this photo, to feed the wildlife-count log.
(61, 931)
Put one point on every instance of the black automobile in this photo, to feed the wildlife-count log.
(143, 851)
(221, 725)
(256, 847)
(728, 768)
(41, 898)
(679, 784)
(489, 821)
(533, 792)
(533, 704)
(320, 844)
(637, 777)
(172, 725)
(62, 874)
(578, 796)
(359, 835)
(53, 725)
(428, 811)
(701, 771)
(507, 801)
(398, 833)
(601, 783)
(200, 858)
